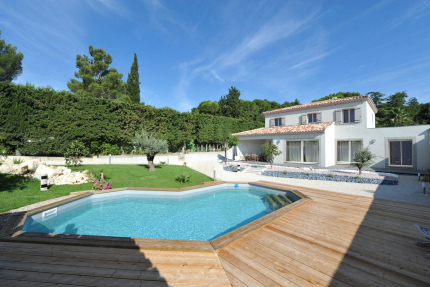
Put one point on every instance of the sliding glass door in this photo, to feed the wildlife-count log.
(303, 151)
(294, 152)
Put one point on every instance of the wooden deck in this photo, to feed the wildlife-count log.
(29, 264)
(335, 240)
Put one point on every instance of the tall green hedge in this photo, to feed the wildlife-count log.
(42, 121)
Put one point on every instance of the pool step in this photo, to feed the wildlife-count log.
(272, 201)
(277, 200)
(280, 200)
(286, 198)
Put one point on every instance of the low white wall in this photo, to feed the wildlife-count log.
(116, 159)
(203, 156)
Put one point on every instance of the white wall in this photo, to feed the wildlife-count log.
(371, 119)
(329, 157)
(418, 134)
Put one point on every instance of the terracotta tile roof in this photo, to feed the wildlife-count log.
(325, 103)
(286, 130)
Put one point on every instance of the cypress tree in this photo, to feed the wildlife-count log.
(133, 89)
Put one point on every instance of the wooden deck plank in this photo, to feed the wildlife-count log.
(340, 239)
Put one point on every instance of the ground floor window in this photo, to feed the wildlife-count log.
(401, 152)
(303, 151)
(346, 150)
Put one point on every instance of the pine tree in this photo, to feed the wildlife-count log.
(133, 89)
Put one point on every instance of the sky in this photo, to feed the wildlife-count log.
(191, 51)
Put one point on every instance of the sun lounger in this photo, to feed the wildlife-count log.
(426, 232)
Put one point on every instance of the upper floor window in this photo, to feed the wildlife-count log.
(312, 118)
(277, 122)
(347, 116)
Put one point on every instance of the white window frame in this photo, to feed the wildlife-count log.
(301, 151)
(401, 156)
(279, 120)
(313, 114)
(349, 116)
(349, 150)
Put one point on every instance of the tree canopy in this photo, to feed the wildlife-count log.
(97, 78)
(208, 107)
(133, 88)
(338, 95)
(229, 105)
(151, 145)
(10, 61)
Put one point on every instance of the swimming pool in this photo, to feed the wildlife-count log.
(201, 214)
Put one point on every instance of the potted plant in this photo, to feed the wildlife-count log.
(426, 177)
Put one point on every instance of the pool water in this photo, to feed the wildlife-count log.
(202, 214)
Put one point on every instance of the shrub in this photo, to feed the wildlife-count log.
(330, 175)
(127, 149)
(285, 172)
(18, 160)
(270, 151)
(191, 146)
(356, 177)
(96, 174)
(363, 158)
(107, 148)
(183, 178)
(102, 185)
(74, 153)
(307, 173)
(162, 162)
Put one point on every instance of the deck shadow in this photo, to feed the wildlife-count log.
(27, 261)
(382, 250)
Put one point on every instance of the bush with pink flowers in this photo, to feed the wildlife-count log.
(102, 185)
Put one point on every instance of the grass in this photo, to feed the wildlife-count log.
(17, 191)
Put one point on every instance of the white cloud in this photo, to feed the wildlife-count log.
(418, 10)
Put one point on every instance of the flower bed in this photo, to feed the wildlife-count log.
(333, 175)
(233, 167)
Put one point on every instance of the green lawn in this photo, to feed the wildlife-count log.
(17, 191)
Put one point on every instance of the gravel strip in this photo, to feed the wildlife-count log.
(332, 177)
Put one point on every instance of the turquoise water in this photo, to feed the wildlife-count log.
(199, 216)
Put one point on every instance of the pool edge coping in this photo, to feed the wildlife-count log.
(12, 230)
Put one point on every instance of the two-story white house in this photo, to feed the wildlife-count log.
(328, 133)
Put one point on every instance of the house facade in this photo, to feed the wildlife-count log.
(328, 133)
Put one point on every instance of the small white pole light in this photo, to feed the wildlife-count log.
(424, 187)
(167, 161)
(44, 182)
(109, 158)
(214, 174)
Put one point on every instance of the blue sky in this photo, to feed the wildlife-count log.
(191, 51)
